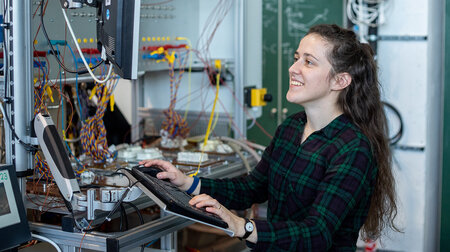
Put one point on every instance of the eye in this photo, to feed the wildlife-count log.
(296, 59)
(308, 62)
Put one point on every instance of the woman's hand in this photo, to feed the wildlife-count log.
(235, 223)
(170, 172)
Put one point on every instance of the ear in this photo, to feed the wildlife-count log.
(341, 81)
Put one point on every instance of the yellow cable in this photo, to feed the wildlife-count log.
(215, 122)
(218, 66)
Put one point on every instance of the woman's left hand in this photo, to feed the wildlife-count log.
(235, 223)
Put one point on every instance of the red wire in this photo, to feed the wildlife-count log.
(85, 234)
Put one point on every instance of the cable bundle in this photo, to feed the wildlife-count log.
(41, 168)
(174, 124)
(93, 132)
(366, 11)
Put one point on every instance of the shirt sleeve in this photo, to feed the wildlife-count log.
(240, 193)
(346, 181)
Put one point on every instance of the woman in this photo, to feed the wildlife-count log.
(327, 172)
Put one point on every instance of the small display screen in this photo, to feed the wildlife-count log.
(4, 205)
(9, 213)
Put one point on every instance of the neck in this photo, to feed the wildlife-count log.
(318, 118)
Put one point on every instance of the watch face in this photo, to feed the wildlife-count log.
(249, 226)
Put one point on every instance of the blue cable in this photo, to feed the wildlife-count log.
(76, 82)
(151, 243)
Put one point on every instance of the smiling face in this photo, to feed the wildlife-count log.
(310, 84)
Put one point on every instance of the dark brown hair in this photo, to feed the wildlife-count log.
(361, 102)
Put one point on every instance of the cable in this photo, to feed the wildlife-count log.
(140, 218)
(123, 215)
(396, 138)
(246, 147)
(218, 65)
(42, 238)
(27, 147)
(254, 145)
(53, 49)
(81, 53)
(189, 73)
(76, 82)
(244, 160)
(359, 13)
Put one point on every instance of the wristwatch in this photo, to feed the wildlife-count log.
(248, 227)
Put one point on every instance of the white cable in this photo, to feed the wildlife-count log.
(81, 53)
(254, 145)
(42, 238)
(236, 149)
(245, 146)
(359, 13)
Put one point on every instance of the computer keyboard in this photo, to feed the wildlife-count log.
(176, 200)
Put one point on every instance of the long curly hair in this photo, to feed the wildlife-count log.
(361, 102)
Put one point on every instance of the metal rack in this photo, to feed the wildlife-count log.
(165, 227)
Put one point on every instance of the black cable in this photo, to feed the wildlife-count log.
(396, 138)
(140, 218)
(119, 173)
(125, 215)
(27, 147)
(121, 218)
(83, 71)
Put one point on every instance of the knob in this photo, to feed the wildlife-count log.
(267, 97)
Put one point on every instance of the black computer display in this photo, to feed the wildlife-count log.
(14, 228)
(118, 34)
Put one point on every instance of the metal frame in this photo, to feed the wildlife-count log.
(164, 227)
(20, 81)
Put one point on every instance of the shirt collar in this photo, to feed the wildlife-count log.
(332, 128)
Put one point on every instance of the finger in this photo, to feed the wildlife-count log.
(208, 203)
(199, 198)
(166, 175)
(164, 165)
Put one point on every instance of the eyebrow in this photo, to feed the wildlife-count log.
(307, 55)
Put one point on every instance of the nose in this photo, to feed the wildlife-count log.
(295, 68)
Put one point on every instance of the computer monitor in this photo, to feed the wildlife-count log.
(14, 228)
(118, 34)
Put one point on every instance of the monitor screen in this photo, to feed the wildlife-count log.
(8, 210)
(118, 35)
(4, 204)
(14, 228)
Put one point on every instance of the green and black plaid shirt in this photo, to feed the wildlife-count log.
(318, 191)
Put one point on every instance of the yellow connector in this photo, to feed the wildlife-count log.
(257, 97)
(218, 64)
(170, 58)
(49, 93)
(158, 51)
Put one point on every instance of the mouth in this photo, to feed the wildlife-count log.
(296, 83)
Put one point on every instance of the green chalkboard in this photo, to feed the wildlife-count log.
(296, 17)
(445, 202)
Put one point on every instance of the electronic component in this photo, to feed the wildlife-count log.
(118, 35)
(14, 228)
(56, 156)
(191, 157)
(254, 97)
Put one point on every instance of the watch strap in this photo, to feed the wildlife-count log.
(247, 233)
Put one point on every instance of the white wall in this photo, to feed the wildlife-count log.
(411, 76)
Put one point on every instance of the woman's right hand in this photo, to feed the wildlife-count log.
(170, 172)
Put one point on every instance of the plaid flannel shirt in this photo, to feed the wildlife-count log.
(318, 191)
